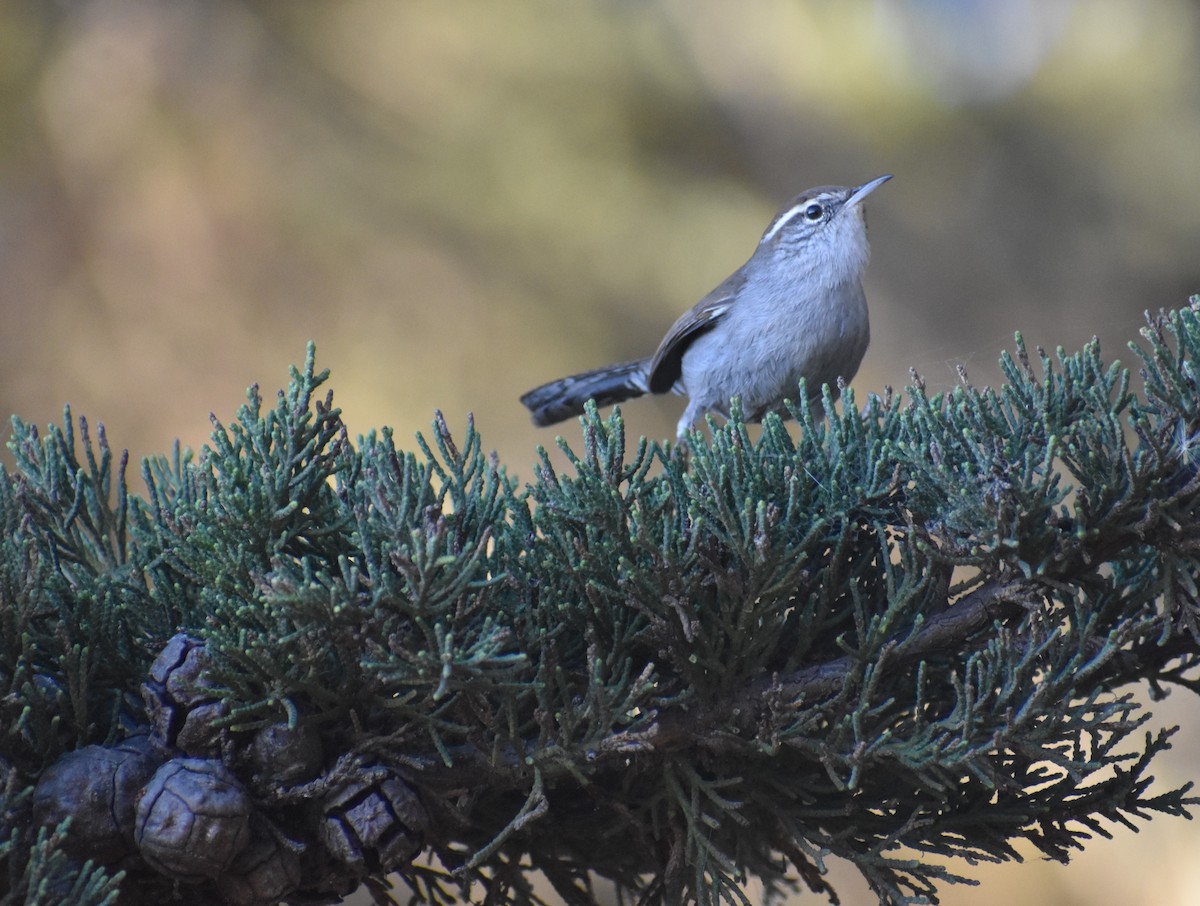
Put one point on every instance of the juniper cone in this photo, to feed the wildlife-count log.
(796, 310)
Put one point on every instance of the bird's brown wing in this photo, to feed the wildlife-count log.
(667, 364)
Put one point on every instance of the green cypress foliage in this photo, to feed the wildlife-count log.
(906, 633)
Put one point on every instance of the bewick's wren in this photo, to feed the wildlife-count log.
(795, 310)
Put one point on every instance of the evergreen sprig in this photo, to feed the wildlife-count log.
(905, 634)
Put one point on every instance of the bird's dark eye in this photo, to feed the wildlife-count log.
(814, 212)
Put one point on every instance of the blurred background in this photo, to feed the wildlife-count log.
(460, 199)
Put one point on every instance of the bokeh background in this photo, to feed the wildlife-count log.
(460, 199)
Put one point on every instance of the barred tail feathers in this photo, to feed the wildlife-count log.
(558, 400)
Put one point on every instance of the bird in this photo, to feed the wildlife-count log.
(795, 310)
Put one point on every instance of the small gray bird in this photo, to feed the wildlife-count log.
(795, 310)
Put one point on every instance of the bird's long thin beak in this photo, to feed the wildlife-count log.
(866, 189)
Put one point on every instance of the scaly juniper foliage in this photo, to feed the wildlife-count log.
(905, 634)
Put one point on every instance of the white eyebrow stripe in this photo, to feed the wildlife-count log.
(784, 218)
